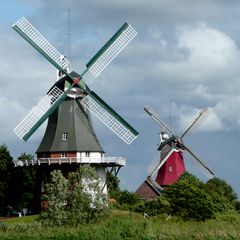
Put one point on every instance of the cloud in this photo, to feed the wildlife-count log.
(203, 53)
(211, 121)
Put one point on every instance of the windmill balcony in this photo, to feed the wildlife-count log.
(107, 161)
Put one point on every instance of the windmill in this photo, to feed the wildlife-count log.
(169, 166)
(70, 137)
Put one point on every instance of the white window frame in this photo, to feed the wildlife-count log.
(64, 136)
(64, 155)
(87, 154)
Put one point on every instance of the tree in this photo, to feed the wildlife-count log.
(75, 200)
(188, 177)
(222, 194)
(189, 201)
(86, 201)
(56, 197)
(24, 178)
(5, 169)
(113, 185)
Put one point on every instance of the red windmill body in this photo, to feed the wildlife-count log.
(171, 170)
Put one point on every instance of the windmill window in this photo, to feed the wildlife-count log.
(170, 169)
(87, 154)
(63, 155)
(65, 136)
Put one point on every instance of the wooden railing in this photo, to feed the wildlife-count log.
(68, 160)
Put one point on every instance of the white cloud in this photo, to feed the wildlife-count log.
(204, 54)
(9, 109)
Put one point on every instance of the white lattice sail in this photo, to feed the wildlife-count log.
(40, 43)
(111, 49)
(38, 112)
(108, 119)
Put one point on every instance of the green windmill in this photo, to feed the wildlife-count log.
(70, 139)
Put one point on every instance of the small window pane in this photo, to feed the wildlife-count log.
(64, 136)
(63, 155)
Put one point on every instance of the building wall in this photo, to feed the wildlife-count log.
(101, 172)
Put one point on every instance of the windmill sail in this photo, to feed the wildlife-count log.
(40, 43)
(109, 117)
(111, 49)
(197, 122)
(156, 118)
(39, 113)
(195, 160)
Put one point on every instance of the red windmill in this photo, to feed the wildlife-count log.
(170, 166)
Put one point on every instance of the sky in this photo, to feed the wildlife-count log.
(186, 56)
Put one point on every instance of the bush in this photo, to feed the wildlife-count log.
(154, 207)
(189, 201)
(128, 199)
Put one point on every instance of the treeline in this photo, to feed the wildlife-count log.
(187, 199)
(17, 185)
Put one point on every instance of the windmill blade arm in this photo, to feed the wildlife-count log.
(195, 160)
(26, 30)
(158, 161)
(149, 109)
(197, 122)
(109, 117)
(111, 49)
(40, 113)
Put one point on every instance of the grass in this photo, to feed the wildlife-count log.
(119, 225)
(15, 220)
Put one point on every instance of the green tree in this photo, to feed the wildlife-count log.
(24, 178)
(113, 185)
(188, 177)
(222, 194)
(86, 201)
(57, 191)
(6, 166)
(75, 200)
(189, 201)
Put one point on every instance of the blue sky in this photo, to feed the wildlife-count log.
(185, 56)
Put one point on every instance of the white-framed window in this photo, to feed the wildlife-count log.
(170, 169)
(63, 155)
(65, 136)
(87, 154)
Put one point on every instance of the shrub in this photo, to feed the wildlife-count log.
(189, 201)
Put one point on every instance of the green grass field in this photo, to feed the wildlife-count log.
(119, 225)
